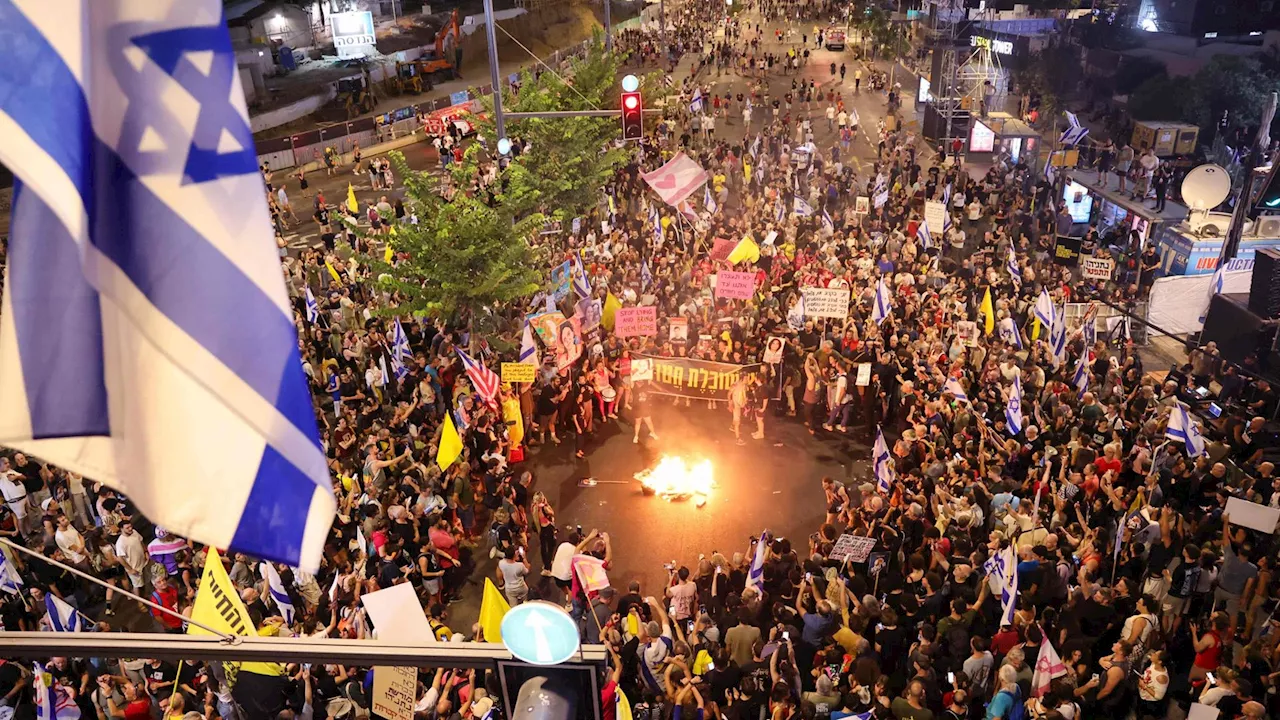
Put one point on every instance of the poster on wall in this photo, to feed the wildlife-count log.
(981, 138)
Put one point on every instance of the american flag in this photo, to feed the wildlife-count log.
(484, 380)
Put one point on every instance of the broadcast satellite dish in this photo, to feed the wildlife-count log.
(1205, 187)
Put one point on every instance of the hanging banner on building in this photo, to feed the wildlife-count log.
(699, 379)
(630, 322)
(353, 34)
(826, 302)
(1093, 268)
(735, 285)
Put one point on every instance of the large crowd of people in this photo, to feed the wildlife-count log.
(1002, 440)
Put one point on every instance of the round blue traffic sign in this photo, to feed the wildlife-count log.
(540, 633)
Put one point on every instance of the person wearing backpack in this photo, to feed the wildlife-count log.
(1007, 704)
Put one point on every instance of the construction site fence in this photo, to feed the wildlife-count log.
(309, 146)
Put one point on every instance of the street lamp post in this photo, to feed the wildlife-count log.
(494, 72)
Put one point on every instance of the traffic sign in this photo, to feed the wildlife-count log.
(540, 633)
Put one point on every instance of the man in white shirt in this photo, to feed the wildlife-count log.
(15, 495)
(842, 119)
(132, 554)
(71, 543)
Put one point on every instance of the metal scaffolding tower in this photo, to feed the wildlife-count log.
(947, 18)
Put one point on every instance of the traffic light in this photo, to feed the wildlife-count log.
(632, 116)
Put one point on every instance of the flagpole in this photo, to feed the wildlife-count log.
(113, 588)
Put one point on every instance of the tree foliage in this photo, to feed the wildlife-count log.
(570, 159)
(466, 253)
(1236, 85)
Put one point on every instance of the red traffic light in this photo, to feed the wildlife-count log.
(631, 102)
(632, 116)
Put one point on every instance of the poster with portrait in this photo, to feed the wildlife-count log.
(588, 311)
(862, 204)
(967, 333)
(773, 350)
(569, 344)
(560, 276)
(678, 330)
(547, 325)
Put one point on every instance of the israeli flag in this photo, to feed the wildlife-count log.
(755, 573)
(1013, 409)
(401, 355)
(578, 275)
(881, 464)
(1090, 330)
(1058, 337)
(781, 212)
(1050, 174)
(946, 197)
(10, 581)
(143, 265)
(646, 276)
(1183, 429)
(709, 201)
(1080, 377)
(1045, 311)
(313, 307)
(946, 221)
(528, 348)
(695, 105)
(1009, 333)
(655, 221)
(1015, 273)
(1074, 132)
(53, 701)
(882, 303)
(827, 224)
(802, 208)
(881, 185)
(952, 386)
(795, 315)
(1009, 586)
(1215, 288)
(755, 147)
(278, 592)
(922, 232)
(62, 617)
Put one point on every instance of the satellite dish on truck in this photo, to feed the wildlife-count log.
(1205, 187)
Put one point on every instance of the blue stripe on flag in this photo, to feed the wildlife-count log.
(275, 514)
(58, 323)
(185, 277)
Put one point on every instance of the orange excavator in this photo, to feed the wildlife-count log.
(415, 77)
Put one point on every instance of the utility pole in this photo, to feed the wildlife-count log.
(608, 28)
(1261, 144)
(494, 72)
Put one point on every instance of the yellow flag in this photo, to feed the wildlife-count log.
(746, 171)
(1035, 328)
(492, 607)
(392, 231)
(219, 606)
(388, 253)
(624, 706)
(611, 306)
(515, 421)
(332, 272)
(988, 311)
(352, 205)
(450, 444)
(746, 249)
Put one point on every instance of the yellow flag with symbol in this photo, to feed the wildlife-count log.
(218, 606)
(450, 444)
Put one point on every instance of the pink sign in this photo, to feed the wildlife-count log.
(722, 249)
(630, 322)
(735, 285)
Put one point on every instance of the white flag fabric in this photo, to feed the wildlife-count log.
(1009, 586)
(528, 348)
(143, 264)
(953, 386)
(755, 574)
(62, 617)
(1013, 409)
(1215, 288)
(10, 581)
(1080, 377)
(1058, 337)
(676, 180)
(1008, 330)
(1045, 310)
(278, 592)
(882, 464)
(53, 702)
(801, 208)
(1183, 429)
(1015, 273)
(1048, 668)
(882, 303)
(313, 307)
(401, 354)
(922, 232)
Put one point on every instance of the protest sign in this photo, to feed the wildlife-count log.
(721, 249)
(686, 377)
(862, 204)
(546, 326)
(826, 302)
(967, 332)
(1252, 515)
(1093, 268)
(935, 216)
(588, 312)
(397, 614)
(735, 285)
(518, 372)
(854, 548)
(881, 199)
(395, 691)
(641, 369)
(1066, 251)
(636, 321)
(864, 375)
(773, 350)
(560, 276)
(678, 329)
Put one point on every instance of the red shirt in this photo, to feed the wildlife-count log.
(139, 709)
(167, 598)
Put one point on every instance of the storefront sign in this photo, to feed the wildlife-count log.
(1066, 251)
(999, 47)
(353, 34)
(700, 379)
(826, 302)
(1097, 268)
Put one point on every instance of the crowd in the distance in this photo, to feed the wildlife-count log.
(1126, 561)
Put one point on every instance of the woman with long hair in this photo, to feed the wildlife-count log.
(544, 518)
